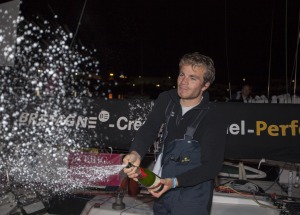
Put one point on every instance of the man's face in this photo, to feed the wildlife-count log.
(246, 90)
(190, 83)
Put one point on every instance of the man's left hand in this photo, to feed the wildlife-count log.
(168, 184)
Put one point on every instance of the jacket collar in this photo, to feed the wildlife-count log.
(176, 99)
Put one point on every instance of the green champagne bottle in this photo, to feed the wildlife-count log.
(148, 179)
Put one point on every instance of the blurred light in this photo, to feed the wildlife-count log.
(169, 77)
(140, 76)
(157, 85)
(111, 74)
(244, 79)
(133, 85)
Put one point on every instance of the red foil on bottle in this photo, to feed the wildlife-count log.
(142, 173)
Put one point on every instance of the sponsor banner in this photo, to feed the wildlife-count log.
(255, 131)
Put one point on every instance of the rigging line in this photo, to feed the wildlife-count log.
(79, 22)
(296, 60)
(294, 64)
(271, 42)
(286, 77)
(294, 69)
(50, 8)
(226, 44)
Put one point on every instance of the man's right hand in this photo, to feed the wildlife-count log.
(134, 158)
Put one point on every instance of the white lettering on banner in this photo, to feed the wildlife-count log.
(72, 120)
(119, 123)
(42, 119)
(32, 118)
(236, 129)
(24, 117)
(129, 124)
(262, 127)
(81, 122)
(61, 120)
(92, 122)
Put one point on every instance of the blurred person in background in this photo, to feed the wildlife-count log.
(244, 95)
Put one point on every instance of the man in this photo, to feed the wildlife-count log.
(244, 95)
(194, 140)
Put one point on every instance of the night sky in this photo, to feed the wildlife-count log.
(148, 37)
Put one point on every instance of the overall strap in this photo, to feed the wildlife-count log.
(169, 111)
(159, 143)
(192, 128)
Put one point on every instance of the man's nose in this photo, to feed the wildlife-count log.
(184, 80)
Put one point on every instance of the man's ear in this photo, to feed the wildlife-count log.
(205, 86)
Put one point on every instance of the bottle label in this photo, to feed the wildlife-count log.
(157, 185)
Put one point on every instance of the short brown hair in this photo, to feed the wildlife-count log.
(195, 60)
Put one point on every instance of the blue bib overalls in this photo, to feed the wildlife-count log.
(179, 156)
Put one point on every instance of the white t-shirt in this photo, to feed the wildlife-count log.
(186, 109)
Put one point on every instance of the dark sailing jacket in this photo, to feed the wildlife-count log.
(211, 134)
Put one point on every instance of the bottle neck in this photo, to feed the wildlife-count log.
(140, 171)
(129, 165)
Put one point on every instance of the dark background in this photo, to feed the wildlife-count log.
(246, 39)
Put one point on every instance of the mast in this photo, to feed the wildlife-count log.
(286, 76)
(226, 43)
(296, 60)
(79, 23)
(270, 58)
